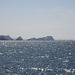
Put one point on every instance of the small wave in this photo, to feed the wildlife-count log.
(1, 53)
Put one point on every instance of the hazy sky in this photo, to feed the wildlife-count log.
(37, 18)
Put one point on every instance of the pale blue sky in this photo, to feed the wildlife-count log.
(37, 18)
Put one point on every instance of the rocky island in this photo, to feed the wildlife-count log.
(19, 38)
(43, 38)
(5, 37)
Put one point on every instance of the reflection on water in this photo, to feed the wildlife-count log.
(37, 57)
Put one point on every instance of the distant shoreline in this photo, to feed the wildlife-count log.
(7, 37)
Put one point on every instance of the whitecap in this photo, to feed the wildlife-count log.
(1, 53)
(67, 70)
(66, 60)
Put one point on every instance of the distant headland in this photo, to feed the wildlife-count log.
(43, 38)
(7, 37)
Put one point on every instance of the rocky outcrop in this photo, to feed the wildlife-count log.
(48, 38)
(43, 38)
(19, 38)
(7, 37)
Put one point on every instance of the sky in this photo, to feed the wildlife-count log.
(38, 18)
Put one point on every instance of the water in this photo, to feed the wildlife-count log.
(37, 57)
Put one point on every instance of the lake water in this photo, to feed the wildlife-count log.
(37, 57)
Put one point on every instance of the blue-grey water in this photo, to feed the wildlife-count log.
(37, 57)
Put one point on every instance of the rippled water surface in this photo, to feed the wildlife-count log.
(37, 57)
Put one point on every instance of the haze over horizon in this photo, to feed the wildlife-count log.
(38, 18)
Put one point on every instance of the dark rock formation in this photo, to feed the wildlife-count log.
(19, 38)
(48, 38)
(7, 37)
(43, 38)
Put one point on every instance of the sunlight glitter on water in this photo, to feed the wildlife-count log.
(37, 58)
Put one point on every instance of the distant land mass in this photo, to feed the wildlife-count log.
(43, 38)
(7, 37)
(19, 38)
